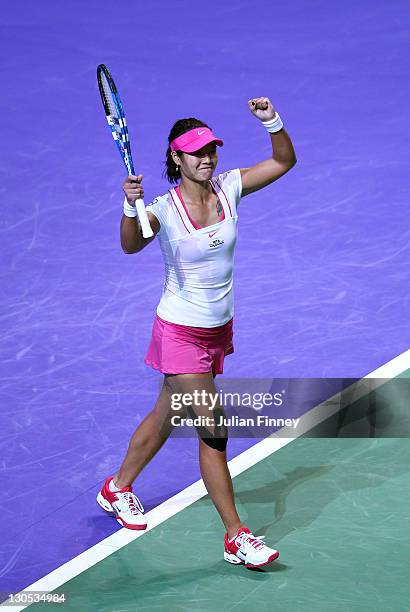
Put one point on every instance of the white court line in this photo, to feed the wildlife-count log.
(196, 491)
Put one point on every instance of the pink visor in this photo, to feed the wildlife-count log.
(194, 140)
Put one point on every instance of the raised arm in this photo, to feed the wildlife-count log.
(132, 240)
(283, 155)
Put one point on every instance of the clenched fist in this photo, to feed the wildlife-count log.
(133, 189)
(262, 108)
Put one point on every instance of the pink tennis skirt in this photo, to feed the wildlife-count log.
(180, 349)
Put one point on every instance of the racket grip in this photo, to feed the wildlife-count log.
(143, 218)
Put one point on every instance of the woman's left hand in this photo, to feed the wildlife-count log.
(262, 108)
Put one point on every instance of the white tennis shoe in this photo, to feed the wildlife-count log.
(248, 549)
(126, 506)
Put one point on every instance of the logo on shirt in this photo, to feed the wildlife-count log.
(212, 233)
(216, 243)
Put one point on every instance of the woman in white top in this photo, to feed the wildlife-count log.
(192, 332)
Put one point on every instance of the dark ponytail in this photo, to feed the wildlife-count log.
(179, 128)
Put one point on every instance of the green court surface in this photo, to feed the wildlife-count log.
(337, 509)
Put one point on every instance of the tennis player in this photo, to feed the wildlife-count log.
(196, 223)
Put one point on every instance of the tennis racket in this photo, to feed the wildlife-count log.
(114, 113)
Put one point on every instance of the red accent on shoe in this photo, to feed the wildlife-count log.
(231, 547)
(111, 495)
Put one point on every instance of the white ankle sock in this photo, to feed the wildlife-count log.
(112, 487)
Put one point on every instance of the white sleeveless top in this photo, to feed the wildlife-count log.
(198, 289)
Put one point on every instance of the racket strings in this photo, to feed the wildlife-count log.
(115, 117)
(108, 97)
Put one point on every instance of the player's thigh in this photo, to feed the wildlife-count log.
(163, 408)
(199, 387)
(201, 398)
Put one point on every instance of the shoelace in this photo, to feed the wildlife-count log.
(132, 503)
(248, 539)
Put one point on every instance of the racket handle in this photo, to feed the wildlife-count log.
(143, 218)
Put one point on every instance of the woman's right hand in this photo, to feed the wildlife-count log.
(133, 188)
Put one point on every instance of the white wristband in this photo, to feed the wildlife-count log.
(273, 125)
(129, 211)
